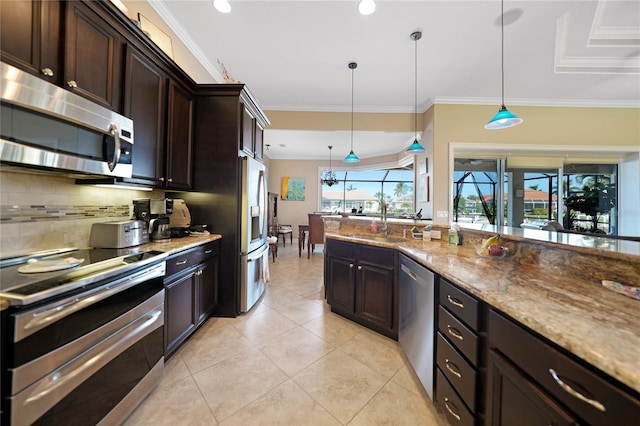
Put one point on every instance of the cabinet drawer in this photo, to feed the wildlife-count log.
(341, 249)
(460, 373)
(452, 405)
(586, 391)
(462, 337)
(463, 305)
(376, 255)
(188, 258)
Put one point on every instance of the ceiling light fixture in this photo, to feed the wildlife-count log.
(222, 6)
(352, 157)
(366, 7)
(503, 118)
(329, 176)
(415, 147)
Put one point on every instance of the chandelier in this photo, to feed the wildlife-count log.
(329, 176)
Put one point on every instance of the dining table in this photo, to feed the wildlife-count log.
(302, 230)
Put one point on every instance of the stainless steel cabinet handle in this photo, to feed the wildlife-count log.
(454, 332)
(454, 301)
(571, 391)
(449, 409)
(453, 368)
(47, 72)
(180, 262)
(169, 180)
(161, 179)
(208, 251)
(359, 268)
(351, 265)
(72, 84)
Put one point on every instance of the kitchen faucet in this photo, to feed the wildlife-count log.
(384, 218)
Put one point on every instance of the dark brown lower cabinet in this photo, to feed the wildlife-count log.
(361, 285)
(533, 382)
(518, 401)
(191, 293)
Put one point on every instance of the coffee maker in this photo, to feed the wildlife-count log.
(160, 210)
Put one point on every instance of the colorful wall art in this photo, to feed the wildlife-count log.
(292, 188)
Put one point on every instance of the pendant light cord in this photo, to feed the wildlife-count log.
(353, 68)
(502, 47)
(415, 92)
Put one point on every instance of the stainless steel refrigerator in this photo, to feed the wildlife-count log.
(254, 248)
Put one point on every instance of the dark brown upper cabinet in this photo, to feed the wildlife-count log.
(145, 93)
(179, 144)
(92, 56)
(31, 37)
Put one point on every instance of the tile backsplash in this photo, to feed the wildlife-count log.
(39, 212)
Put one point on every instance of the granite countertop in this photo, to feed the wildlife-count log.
(177, 245)
(572, 310)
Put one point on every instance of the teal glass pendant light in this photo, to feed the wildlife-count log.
(415, 147)
(504, 118)
(352, 157)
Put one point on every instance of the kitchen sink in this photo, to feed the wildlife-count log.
(381, 238)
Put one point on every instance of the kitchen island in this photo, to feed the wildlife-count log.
(550, 283)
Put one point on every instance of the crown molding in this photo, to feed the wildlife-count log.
(586, 103)
(183, 35)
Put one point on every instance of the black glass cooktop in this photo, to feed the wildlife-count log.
(83, 267)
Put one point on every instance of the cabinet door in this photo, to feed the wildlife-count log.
(179, 138)
(31, 36)
(93, 63)
(207, 289)
(341, 285)
(374, 293)
(517, 401)
(179, 320)
(246, 139)
(258, 142)
(144, 103)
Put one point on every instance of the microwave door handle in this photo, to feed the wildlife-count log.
(113, 130)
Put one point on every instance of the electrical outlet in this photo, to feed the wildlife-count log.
(442, 213)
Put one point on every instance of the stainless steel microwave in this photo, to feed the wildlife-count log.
(46, 127)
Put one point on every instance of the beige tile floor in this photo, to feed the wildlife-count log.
(289, 361)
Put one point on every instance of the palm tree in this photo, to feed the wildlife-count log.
(351, 187)
(399, 190)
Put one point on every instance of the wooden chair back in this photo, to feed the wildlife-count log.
(316, 229)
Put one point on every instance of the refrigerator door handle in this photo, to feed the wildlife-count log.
(257, 254)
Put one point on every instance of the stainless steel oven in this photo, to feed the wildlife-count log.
(82, 345)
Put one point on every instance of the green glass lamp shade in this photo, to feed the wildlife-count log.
(351, 158)
(415, 147)
(503, 119)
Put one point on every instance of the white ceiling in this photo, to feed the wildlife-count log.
(293, 55)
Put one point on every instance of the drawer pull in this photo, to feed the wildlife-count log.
(449, 409)
(351, 265)
(181, 262)
(455, 302)
(454, 332)
(568, 389)
(359, 268)
(208, 251)
(453, 368)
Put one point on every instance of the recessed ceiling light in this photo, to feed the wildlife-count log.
(222, 6)
(366, 7)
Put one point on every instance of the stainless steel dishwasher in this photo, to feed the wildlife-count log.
(417, 319)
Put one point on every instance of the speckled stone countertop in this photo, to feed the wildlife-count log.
(551, 289)
(177, 245)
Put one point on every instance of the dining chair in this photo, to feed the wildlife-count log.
(284, 230)
(316, 232)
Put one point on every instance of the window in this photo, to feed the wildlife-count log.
(364, 191)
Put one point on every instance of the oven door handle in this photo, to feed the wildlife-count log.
(29, 324)
(48, 391)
